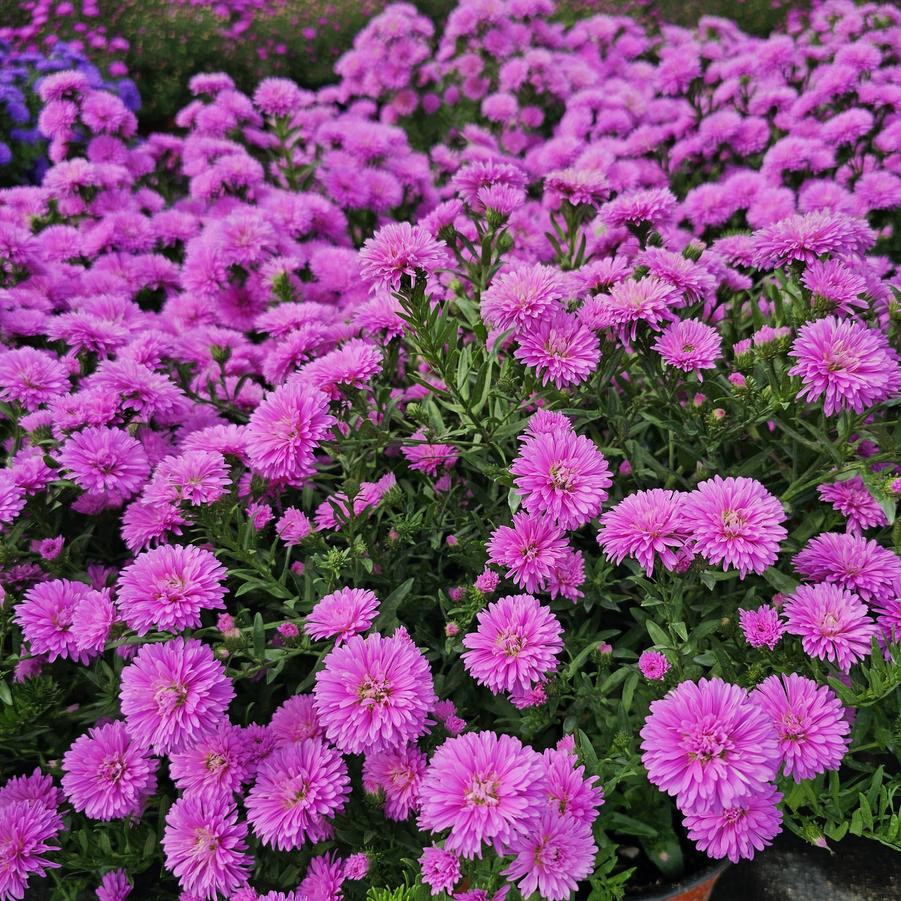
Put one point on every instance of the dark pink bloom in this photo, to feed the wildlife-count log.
(342, 614)
(529, 549)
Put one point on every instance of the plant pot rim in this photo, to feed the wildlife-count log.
(713, 871)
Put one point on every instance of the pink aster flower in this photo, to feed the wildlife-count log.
(807, 236)
(285, 430)
(342, 614)
(483, 787)
(205, 847)
(353, 365)
(114, 886)
(440, 869)
(736, 522)
(530, 549)
(762, 627)
(559, 348)
(107, 775)
(631, 302)
(37, 788)
(832, 622)
(295, 721)
(31, 377)
(298, 790)
(577, 186)
(552, 856)
(323, 879)
(689, 345)
(837, 284)
(45, 616)
(809, 721)
(520, 296)
(27, 831)
(12, 496)
(706, 743)
(567, 577)
(216, 765)
(653, 665)
(195, 476)
(398, 772)
(851, 498)
(845, 362)
(644, 525)
(399, 249)
(851, 561)
(562, 475)
(356, 866)
(487, 581)
(173, 693)
(652, 206)
(515, 645)
(100, 459)
(168, 587)
(569, 791)
(293, 526)
(739, 829)
(374, 693)
(429, 457)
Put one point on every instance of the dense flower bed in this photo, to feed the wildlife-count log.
(477, 477)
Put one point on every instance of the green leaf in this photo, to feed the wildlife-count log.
(259, 636)
(658, 636)
(387, 617)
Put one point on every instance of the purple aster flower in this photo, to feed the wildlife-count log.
(809, 721)
(515, 645)
(374, 692)
(205, 846)
(806, 236)
(644, 525)
(832, 622)
(552, 856)
(483, 787)
(653, 665)
(298, 790)
(173, 693)
(736, 522)
(523, 295)
(45, 616)
(559, 348)
(342, 614)
(529, 549)
(840, 286)
(27, 831)
(398, 773)
(100, 459)
(399, 249)
(739, 829)
(440, 869)
(762, 627)
(114, 886)
(850, 561)
(295, 721)
(168, 587)
(630, 302)
(652, 206)
(706, 743)
(851, 498)
(689, 345)
(215, 766)
(847, 363)
(106, 775)
(562, 475)
(31, 377)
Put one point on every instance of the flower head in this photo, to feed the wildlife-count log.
(739, 829)
(521, 296)
(397, 772)
(653, 665)
(46, 615)
(706, 743)
(851, 498)
(845, 362)
(736, 522)
(644, 525)
(215, 765)
(483, 787)
(762, 627)
(205, 847)
(298, 790)
(559, 348)
(530, 549)
(515, 646)
(552, 856)
(440, 869)
(689, 345)
(107, 775)
(295, 721)
(832, 622)
(173, 693)
(101, 459)
(399, 249)
(342, 614)
(168, 587)
(27, 830)
(562, 475)
(373, 693)
(809, 721)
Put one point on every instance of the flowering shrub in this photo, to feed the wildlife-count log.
(512, 513)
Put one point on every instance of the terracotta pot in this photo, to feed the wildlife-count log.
(694, 888)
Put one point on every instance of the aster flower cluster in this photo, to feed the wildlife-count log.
(368, 489)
